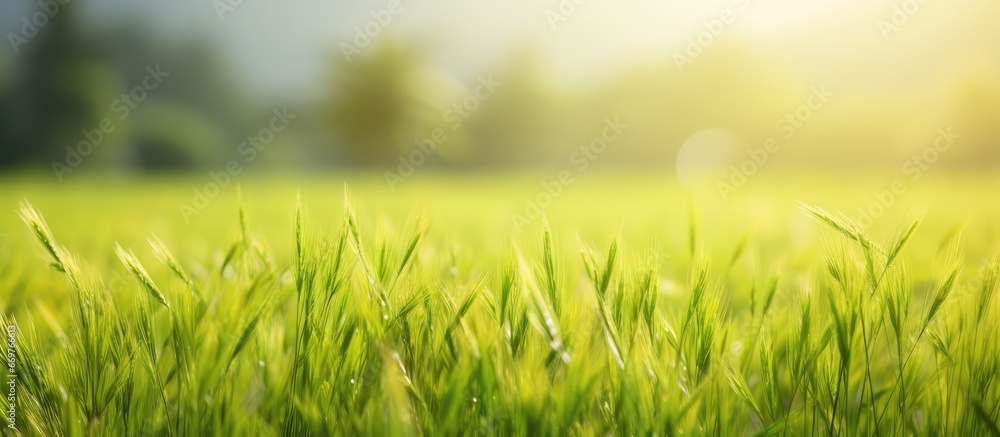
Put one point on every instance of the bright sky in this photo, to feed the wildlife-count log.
(281, 47)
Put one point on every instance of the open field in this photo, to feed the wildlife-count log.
(515, 218)
(633, 307)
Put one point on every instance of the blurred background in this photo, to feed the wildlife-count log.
(143, 86)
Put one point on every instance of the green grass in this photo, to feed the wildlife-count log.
(628, 310)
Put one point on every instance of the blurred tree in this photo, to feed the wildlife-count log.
(195, 118)
(379, 108)
(171, 136)
(974, 114)
(51, 101)
(730, 87)
(521, 122)
(66, 81)
(7, 137)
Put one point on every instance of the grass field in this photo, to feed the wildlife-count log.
(633, 307)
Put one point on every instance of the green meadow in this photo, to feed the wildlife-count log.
(335, 306)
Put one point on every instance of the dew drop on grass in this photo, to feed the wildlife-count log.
(229, 274)
(737, 347)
